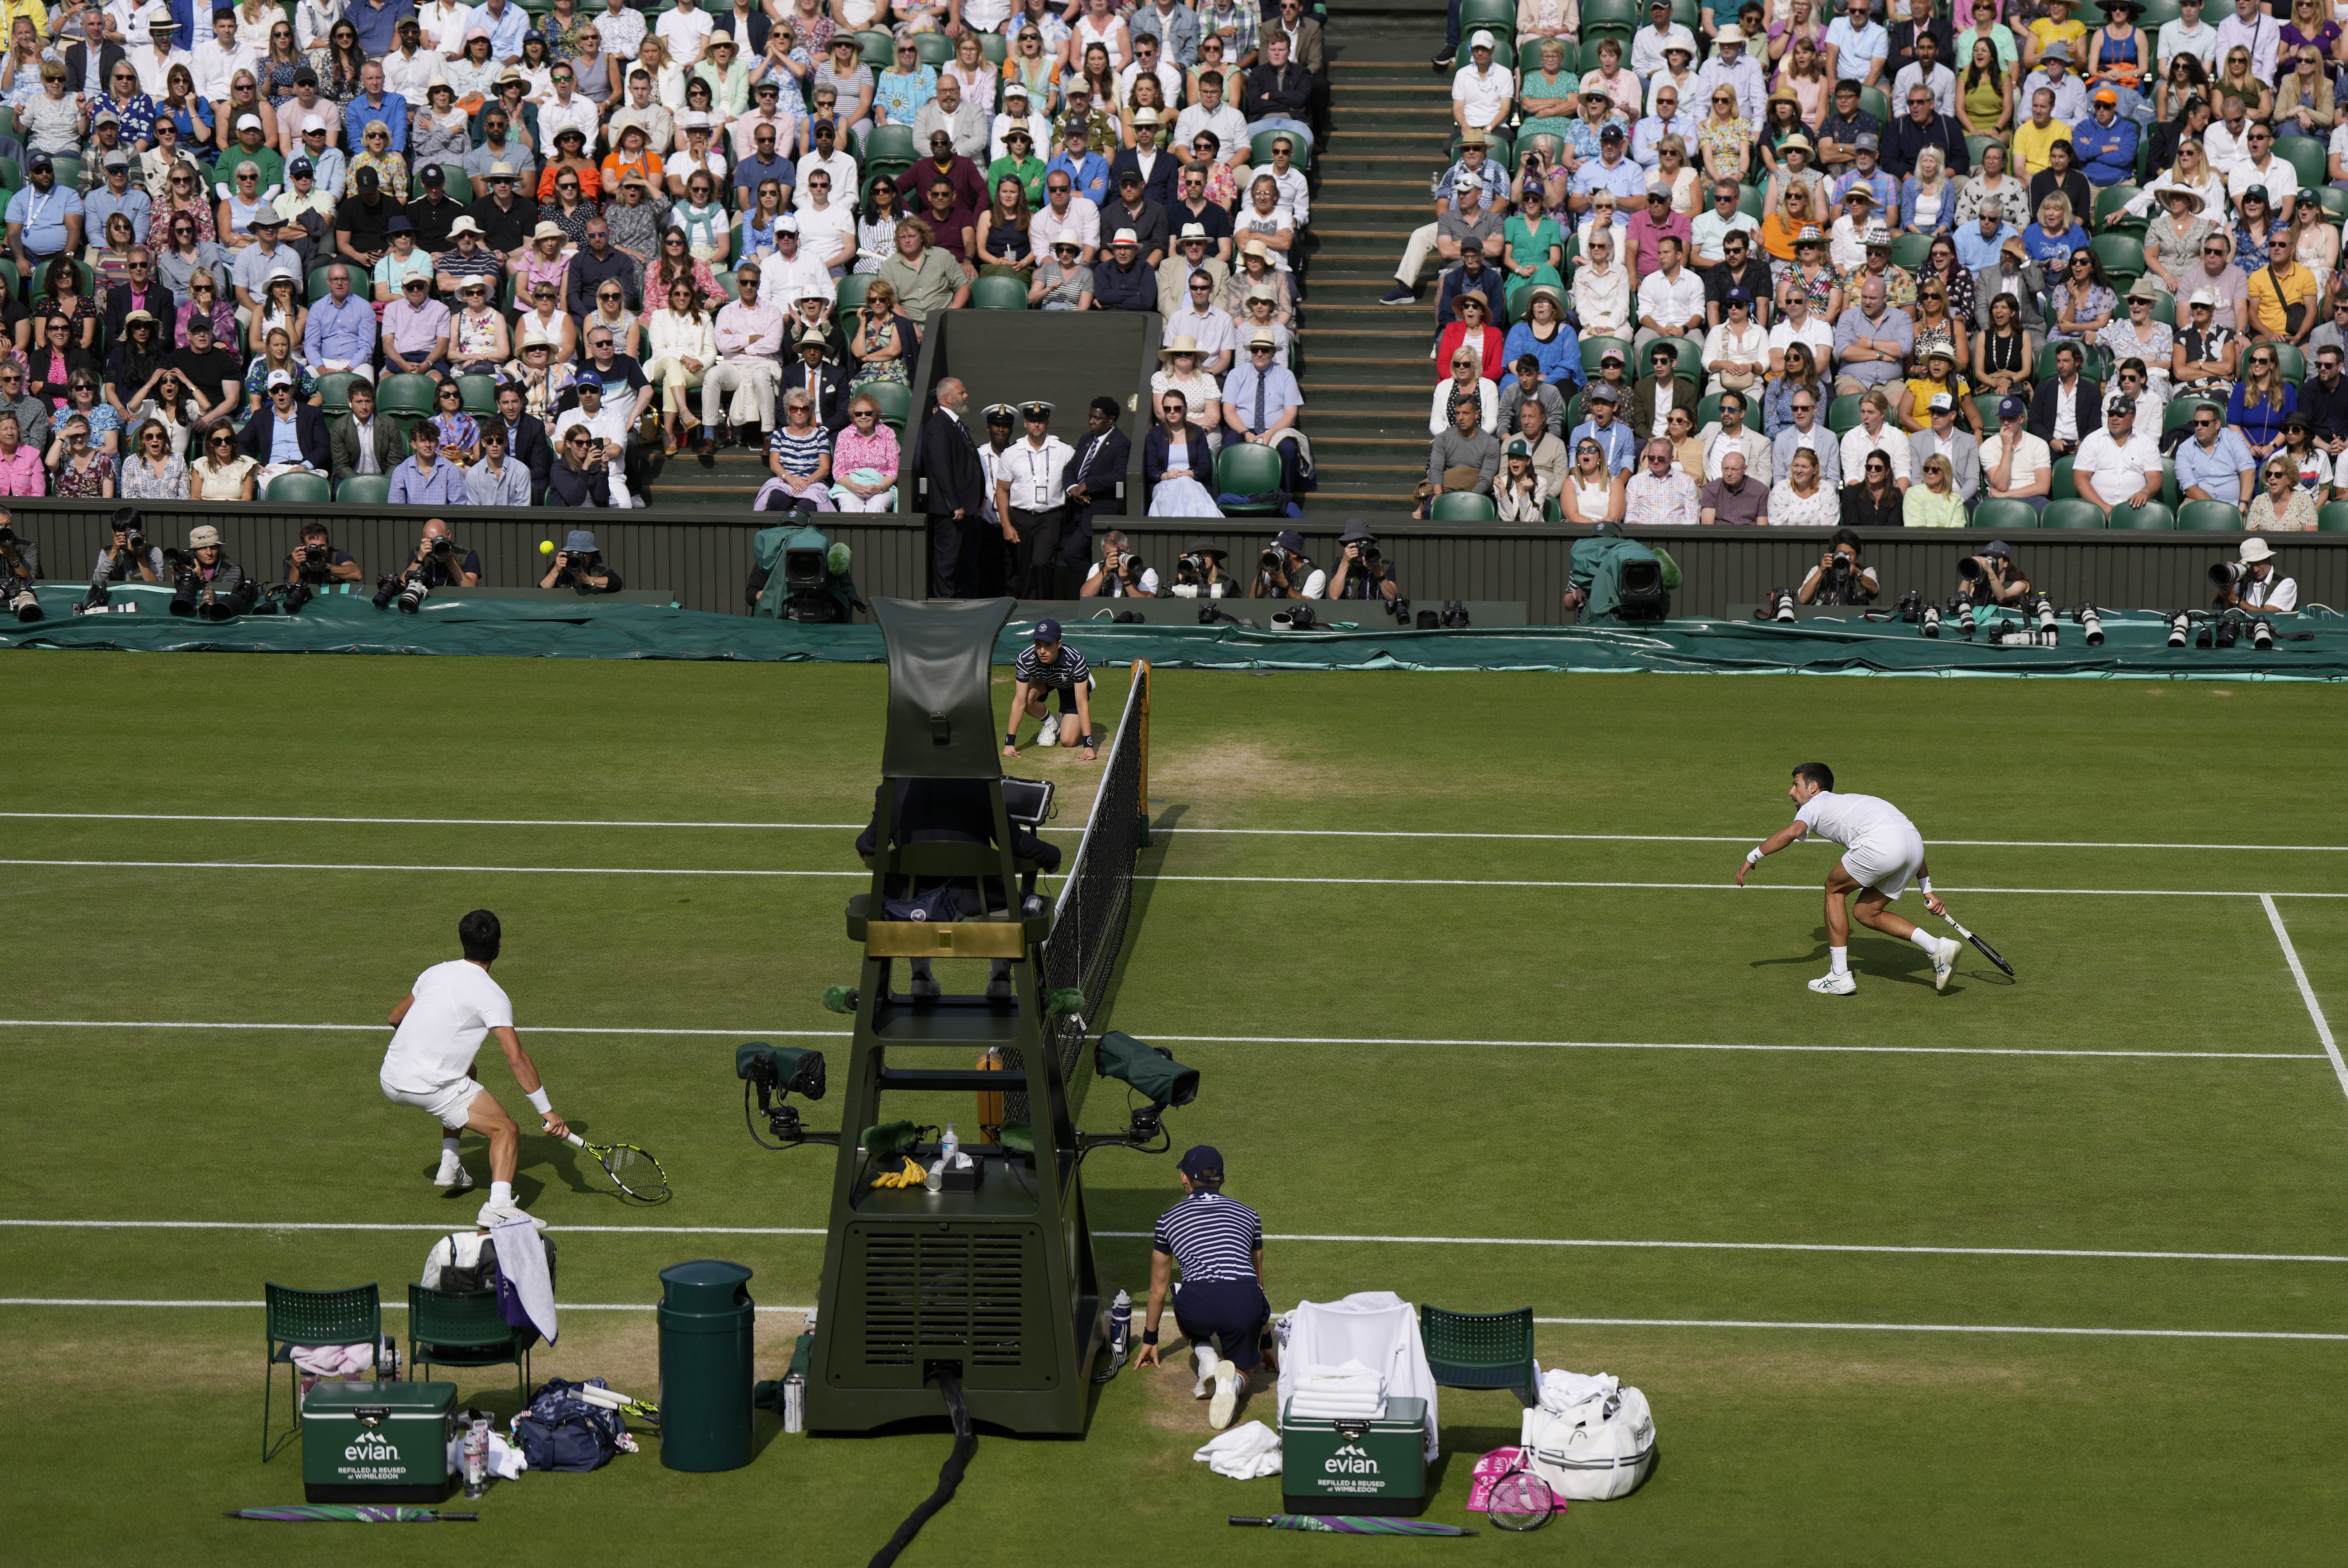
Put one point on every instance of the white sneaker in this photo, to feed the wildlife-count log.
(1050, 734)
(1834, 984)
(1207, 1362)
(452, 1175)
(1944, 963)
(1220, 1408)
(925, 988)
(497, 1213)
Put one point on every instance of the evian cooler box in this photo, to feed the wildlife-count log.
(1356, 1467)
(377, 1442)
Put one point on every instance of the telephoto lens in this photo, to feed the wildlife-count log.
(297, 595)
(412, 597)
(183, 594)
(2262, 634)
(387, 589)
(2047, 621)
(2090, 623)
(27, 605)
(2229, 631)
(2180, 626)
(1782, 599)
(1931, 620)
(2225, 573)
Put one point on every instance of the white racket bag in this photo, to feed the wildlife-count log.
(1597, 1449)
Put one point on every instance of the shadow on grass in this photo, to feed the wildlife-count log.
(1881, 958)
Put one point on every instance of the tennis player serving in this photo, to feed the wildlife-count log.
(441, 1022)
(1882, 852)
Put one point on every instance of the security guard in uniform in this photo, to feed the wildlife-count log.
(1031, 497)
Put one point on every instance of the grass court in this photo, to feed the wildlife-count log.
(2046, 1270)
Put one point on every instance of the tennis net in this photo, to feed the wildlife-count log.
(1089, 920)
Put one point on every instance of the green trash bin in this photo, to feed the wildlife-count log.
(706, 1320)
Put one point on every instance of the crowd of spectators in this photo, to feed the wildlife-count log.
(1670, 260)
(653, 224)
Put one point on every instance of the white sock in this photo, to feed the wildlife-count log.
(1841, 960)
(1206, 1362)
(1925, 940)
(501, 1193)
(448, 1146)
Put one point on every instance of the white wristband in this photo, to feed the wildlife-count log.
(1753, 856)
(1926, 883)
(539, 1103)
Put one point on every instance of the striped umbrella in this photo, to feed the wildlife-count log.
(347, 1513)
(1350, 1524)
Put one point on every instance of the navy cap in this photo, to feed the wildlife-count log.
(2012, 408)
(1047, 631)
(399, 225)
(1998, 547)
(1291, 541)
(1202, 1159)
(1740, 297)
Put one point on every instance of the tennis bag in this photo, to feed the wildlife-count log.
(562, 1431)
(1597, 1449)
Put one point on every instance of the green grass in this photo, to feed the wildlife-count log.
(1310, 971)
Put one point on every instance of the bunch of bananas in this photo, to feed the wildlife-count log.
(912, 1175)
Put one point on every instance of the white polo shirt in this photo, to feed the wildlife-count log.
(1483, 93)
(1857, 443)
(2118, 469)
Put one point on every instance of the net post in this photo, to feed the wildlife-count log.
(1141, 798)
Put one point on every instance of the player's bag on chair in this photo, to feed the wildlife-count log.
(562, 1431)
(1597, 1449)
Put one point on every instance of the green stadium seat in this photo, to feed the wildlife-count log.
(895, 398)
(1975, 145)
(481, 394)
(2071, 513)
(2152, 516)
(1300, 152)
(1872, 101)
(1986, 406)
(2209, 517)
(409, 397)
(1244, 470)
(936, 48)
(1592, 347)
(363, 490)
(2156, 12)
(1748, 202)
(7, 120)
(998, 293)
(2170, 496)
(891, 144)
(2164, 306)
(2291, 362)
(1842, 415)
(1463, 506)
(2059, 486)
(2122, 255)
(1911, 250)
(1708, 412)
(298, 490)
(319, 287)
(1476, 13)
(2003, 516)
(2306, 155)
(2332, 518)
(848, 294)
(2179, 414)
(2109, 202)
(995, 47)
(335, 393)
(2334, 202)
(877, 48)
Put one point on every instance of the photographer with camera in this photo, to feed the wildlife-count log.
(1839, 578)
(1991, 578)
(1199, 574)
(1362, 571)
(203, 576)
(438, 559)
(1284, 572)
(128, 558)
(2254, 583)
(580, 566)
(317, 563)
(1121, 573)
(20, 566)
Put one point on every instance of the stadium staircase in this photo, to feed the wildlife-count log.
(1365, 372)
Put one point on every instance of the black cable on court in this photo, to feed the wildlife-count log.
(949, 1474)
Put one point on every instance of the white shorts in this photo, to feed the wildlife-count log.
(1887, 865)
(450, 1102)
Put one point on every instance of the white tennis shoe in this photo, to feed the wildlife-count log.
(1225, 1404)
(1207, 1361)
(1050, 734)
(1944, 962)
(452, 1176)
(1834, 984)
(497, 1213)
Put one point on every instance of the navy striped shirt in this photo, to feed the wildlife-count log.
(1062, 674)
(1211, 1237)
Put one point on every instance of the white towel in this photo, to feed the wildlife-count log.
(1313, 1407)
(521, 1258)
(1562, 1391)
(506, 1462)
(1345, 1377)
(1244, 1453)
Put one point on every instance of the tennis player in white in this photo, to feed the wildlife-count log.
(1882, 852)
(441, 1022)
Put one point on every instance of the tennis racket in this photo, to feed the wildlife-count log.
(1520, 1501)
(612, 1399)
(1987, 951)
(633, 1170)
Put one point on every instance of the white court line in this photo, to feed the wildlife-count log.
(1258, 833)
(1226, 880)
(1252, 1041)
(1587, 1321)
(2306, 991)
(1587, 1243)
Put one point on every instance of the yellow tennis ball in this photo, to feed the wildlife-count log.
(546, 546)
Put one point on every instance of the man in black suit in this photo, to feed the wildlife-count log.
(1154, 187)
(825, 384)
(78, 77)
(1100, 463)
(2066, 386)
(288, 434)
(948, 458)
(526, 441)
(142, 292)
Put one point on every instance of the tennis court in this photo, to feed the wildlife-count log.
(1984, 1275)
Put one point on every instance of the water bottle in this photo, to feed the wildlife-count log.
(794, 1403)
(475, 1454)
(948, 1150)
(1120, 1325)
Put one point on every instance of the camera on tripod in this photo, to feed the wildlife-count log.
(775, 1073)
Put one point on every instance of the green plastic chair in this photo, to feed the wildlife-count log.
(2334, 202)
(1481, 1350)
(1842, 415)
(2289, 361)
(481, 394)
(1484, 14)
(365, 489)
(1911, 251)
(335, 393)
(2331, 518)
(998, 293)
(878, 49)
(2122, 255)
(1976, 145)
(303, 488)
(2156, 12)
(2212, 517)
(2005, 516)
(1592, 348)
(895, 144)
(349, 1316)
(2307, 156)
(1463, 506)
(2059, 486)
(2109, 200)
(2179, 414)
(1872, 101)
(848, 294)
(2071, 513)
(465, 1328)
(995, 47)
(1707, 411)
(1241, 468)
(895, 398)
(2152, 516)
(7, 120)
(936, 48)
(1300, 152)
(405, 397)
(1748, 202)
